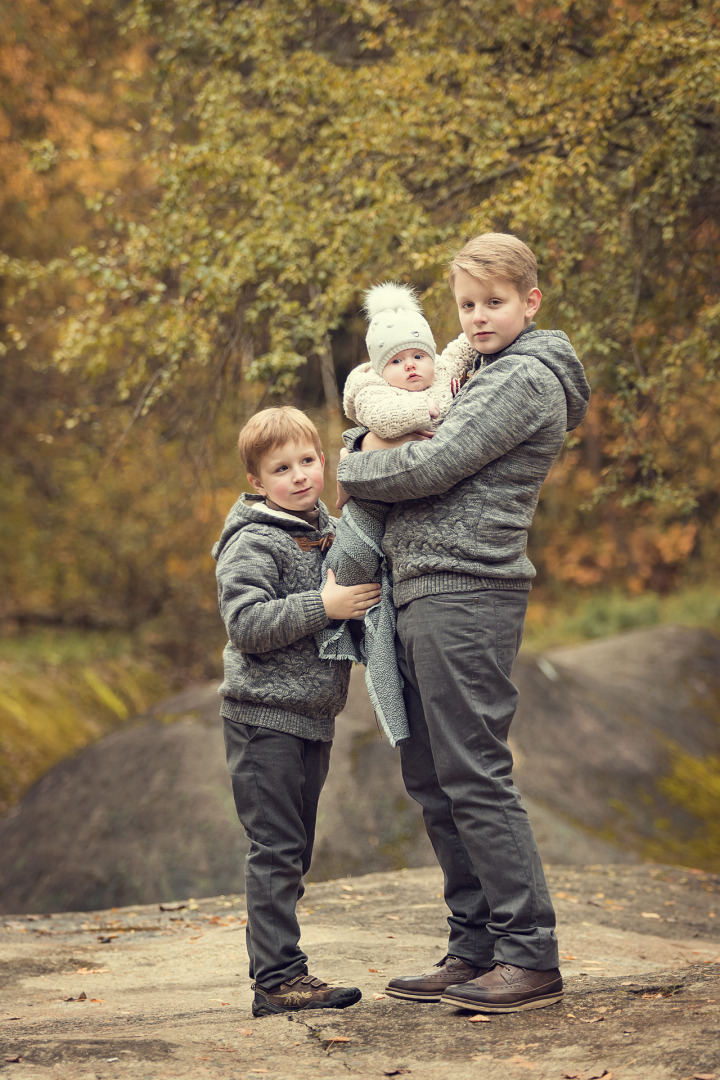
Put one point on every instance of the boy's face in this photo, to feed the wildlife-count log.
(411, 369)
(492, 315)
(291, 476)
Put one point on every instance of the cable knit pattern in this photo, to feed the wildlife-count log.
(390, 411)
(269, 597)
(464, 500)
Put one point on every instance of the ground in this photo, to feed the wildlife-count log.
(154, 994)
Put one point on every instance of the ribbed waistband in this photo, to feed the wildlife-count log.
(431, 584)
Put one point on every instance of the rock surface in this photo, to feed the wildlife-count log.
(148, 994)
(147, 815)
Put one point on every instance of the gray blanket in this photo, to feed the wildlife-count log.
(356, 557)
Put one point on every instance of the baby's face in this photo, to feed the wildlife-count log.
(411, 369)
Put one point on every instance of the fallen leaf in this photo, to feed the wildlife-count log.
(172, 907)
(82, 996)
(704, 1076)
(14, 1060)
(395, 1072)
(479, 1019)
(336, 1039)
(594, 1020)
(379, 997)
(245, 1031)
(98, 1001)
(375, 971)
(649, 915)
(568, 957)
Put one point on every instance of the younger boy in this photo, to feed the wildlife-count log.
(456, 538)
(405, 387)
(279, 699)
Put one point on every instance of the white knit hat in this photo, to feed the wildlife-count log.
(396, 323)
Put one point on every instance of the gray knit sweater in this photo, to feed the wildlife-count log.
(464, 500)
(268, 591)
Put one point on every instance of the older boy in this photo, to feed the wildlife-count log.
(456, 538)
(279, 699)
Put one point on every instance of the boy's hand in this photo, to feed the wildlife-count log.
(348, 601)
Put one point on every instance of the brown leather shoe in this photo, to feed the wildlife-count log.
(450, 971)
(507, 989)
(302, 992)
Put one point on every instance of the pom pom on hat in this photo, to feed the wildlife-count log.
(396, 322)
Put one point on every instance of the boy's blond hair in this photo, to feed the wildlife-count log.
(272, 428)
(493, 255)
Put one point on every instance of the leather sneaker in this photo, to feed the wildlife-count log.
(450, 971)
(302, 992)
(507, 988)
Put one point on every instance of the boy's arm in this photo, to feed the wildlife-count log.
(489, 418)
(387, 410)
(257, 619)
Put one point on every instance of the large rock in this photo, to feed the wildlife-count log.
(147, 814)
(603, 728)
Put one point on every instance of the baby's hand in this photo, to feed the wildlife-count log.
(348, 601)
(433, 409)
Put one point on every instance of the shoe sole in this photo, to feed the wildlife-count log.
(499, 1007)
(409, 995)
(268, 1009)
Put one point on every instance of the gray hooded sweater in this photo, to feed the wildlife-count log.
(465, 499)
(269, 596)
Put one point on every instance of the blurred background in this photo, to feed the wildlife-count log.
(193, 197)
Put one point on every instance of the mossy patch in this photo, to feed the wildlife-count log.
(59, 693)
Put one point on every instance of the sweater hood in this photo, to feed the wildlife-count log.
(553, 349)
(251, 510)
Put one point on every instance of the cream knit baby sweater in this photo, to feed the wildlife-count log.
(390, 411)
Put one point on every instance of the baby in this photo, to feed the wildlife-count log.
(401, 391)
(403, 388)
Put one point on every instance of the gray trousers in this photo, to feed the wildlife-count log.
(276, 780)
(455, 652)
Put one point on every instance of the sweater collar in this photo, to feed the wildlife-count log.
(312, 516)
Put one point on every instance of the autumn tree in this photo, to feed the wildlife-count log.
(293, 153)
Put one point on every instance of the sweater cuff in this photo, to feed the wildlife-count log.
(353, 437)
(314, 612)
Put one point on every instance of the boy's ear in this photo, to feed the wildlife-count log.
(254, 481)
(532, 303)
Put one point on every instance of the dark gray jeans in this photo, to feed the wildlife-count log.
(276, 780)
(455, 653)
